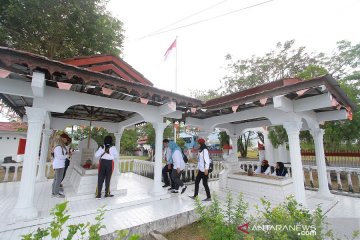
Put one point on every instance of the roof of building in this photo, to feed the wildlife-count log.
(20, 65)
(11, 127)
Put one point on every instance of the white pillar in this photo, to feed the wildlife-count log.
(293, 131)
(234, 140)
(24, 208)
(117, 145)
(318, 135)
(159, 131)
(269, 148)
(43, 155)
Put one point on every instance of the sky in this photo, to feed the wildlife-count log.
(201, 48)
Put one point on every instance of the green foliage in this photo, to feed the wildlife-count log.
(224, 138)
(204, 95)
(180, 142)
(97, 133)
(222, 223)
(149, 131)
(60, 217)
(60, 29)
(277, 135)
(128, 141)
(124, 234)
(311, 71)
(286, 221)
(244, 142)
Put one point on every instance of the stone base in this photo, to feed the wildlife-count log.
(84, 181)
(271, 187)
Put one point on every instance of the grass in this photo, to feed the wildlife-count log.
(192, 231)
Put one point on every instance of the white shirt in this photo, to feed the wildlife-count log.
(60, 155)
(203, 160)
(167, 154)
(107, 156)
(178, 160)
(267, 171)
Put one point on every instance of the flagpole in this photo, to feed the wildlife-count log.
(176, 60)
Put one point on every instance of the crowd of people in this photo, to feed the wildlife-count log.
(172, 172)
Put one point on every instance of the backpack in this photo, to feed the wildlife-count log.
(184, 156)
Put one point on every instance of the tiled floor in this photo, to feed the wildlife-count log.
(344, 216)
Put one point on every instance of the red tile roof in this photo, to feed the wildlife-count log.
(10, 126)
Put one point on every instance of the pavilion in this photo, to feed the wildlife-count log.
(49, 95)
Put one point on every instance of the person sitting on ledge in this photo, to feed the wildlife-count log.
(264, 168)
(280, 170)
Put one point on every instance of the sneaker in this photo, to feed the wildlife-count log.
(58, 195)
(169, 189)
(98, 197)
(166, 185)
(61, 192)
(183, 189)
(174, 191)
(207, 200)
(192, 197)
(109, 195)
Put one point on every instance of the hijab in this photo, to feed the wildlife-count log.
(281, 171)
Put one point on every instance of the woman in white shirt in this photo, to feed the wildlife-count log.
(178, 167)
(203, 170)
(107, 155)
(60, 155)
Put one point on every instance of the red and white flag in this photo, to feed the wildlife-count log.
(170, 49)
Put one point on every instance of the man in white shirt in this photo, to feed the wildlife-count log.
(168, 167)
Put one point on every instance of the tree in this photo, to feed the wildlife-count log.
(97, 133)
(60, 29)
(284, 61)
(244, 142)
(128, 141)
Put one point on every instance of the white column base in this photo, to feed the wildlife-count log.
(24, 213)
(41, 179)
(325, 195)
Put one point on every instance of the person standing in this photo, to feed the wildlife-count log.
(168, 167)
(107, 155)
(67, 160)
(178, 168)
(203, 170)
(60, 155)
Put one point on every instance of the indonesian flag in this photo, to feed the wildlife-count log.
(169, 50)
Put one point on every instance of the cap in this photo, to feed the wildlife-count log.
(201, 141)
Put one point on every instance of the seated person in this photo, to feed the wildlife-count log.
(280, 170)
(264, 168)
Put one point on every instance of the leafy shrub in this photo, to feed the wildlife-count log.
(60, 217)
(287, 221)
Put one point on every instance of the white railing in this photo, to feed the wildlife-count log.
(17, 168)
(146, 168)
(340, 179)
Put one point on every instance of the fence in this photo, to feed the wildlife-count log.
(12, 171)
(340, 179)
(335, 158)
(146, 169)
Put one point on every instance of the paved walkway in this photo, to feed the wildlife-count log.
(138, 207)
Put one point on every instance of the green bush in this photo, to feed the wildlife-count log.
(60, 217)
(287, 221)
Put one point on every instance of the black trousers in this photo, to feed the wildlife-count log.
(165, 173)
(105, 169)
(201, 175)
(67, 163)
(175, 177)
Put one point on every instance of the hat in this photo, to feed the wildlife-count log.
(201, 141)
(265, 161)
